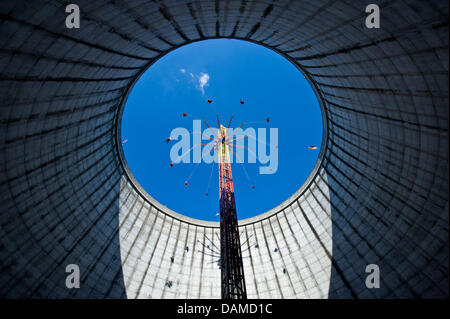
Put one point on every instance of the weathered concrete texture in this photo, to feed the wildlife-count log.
(380, 195)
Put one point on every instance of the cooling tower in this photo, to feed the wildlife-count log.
(377, 195)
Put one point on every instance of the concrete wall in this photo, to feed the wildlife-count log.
(379, 196)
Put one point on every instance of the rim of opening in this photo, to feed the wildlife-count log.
(198, 222)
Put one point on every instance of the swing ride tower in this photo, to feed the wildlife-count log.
(233, 281)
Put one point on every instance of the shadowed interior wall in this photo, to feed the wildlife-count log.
(379, 196)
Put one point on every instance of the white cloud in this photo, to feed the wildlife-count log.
(203, 80)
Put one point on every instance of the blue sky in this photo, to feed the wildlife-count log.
(225, 71)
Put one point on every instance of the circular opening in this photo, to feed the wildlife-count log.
(166, 140)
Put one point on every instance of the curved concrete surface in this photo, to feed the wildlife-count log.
(380, 195)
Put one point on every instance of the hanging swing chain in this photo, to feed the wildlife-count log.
(245, 171)
(210, 175)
